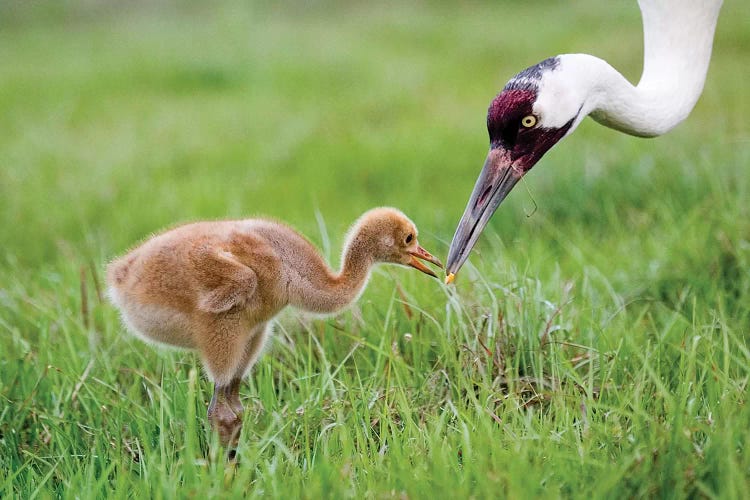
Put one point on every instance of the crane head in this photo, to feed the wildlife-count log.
(533, 112)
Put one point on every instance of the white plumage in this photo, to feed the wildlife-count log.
(546, 102)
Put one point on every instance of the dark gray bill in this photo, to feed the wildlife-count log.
(496, 180)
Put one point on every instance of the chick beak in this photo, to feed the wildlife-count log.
(421, 253)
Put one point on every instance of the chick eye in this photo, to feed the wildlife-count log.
(409, 238)
(528, 121)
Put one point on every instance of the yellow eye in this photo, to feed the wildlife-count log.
(528, 121)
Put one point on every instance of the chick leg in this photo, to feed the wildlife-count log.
(225, 417)
(221, 343)
(253, 349)
(225, 411)
(252, 352)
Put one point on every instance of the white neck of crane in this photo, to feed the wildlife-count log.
(678, 37)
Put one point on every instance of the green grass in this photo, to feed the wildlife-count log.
(597, 347)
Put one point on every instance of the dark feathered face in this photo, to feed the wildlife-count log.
(515, 129)
(518, 139)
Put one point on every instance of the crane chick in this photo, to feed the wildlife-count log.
(214, 287)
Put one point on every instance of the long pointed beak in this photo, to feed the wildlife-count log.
(421, 253)
(496, 180)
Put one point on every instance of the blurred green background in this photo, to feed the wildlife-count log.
(119, 119)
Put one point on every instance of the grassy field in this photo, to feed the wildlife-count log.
(596, 345)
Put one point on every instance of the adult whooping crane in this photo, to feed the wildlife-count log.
(546, 102)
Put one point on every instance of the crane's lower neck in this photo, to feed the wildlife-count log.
(678, 38)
